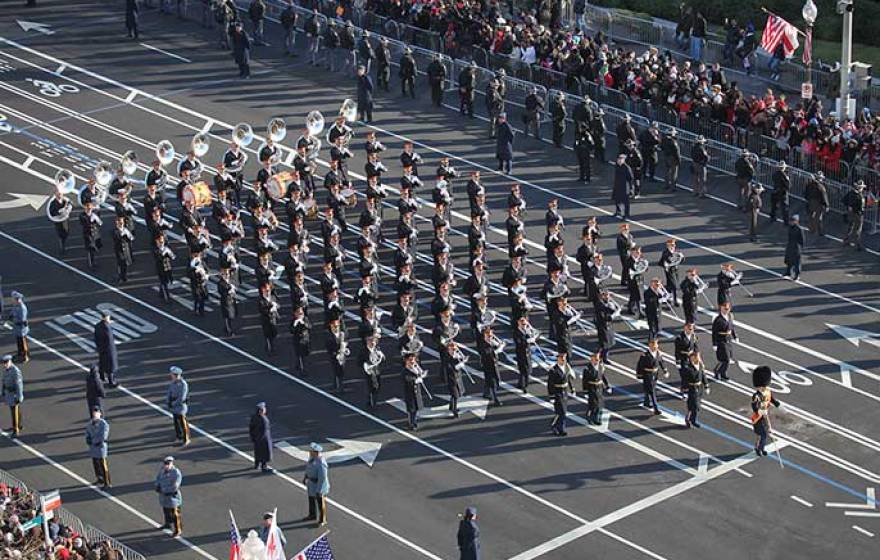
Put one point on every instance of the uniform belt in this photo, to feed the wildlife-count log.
(21, 323)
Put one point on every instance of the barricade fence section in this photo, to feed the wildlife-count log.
(89, 533)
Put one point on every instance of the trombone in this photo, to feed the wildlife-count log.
(421, 374)
(665, 297)
(460, 363)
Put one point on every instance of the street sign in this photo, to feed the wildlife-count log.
(807, 90)
(36, 521)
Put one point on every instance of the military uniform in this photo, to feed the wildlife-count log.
(557, 387)
(695, 383)
(317, 481)
(177, 398)
(18, 316)
(108, 359)
(648, 370)
(167, 485)
(723, 335)
(13, 393)
(260, 430)
(592, 384)
(97, 437)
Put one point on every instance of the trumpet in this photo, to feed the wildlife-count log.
(487, 319)
(497, 344)
(572, 315)
(421, 374)
(532, 334)
(344, 350)
(666, 297)
(454, 331)
(616, 309)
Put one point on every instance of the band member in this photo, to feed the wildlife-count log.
(409, 158)
(156, 177)
(584, 257)
(122, 241)
(443, 301)
(300, 329)
(413, 381)
(228, 302)
(371, 361)
(453, 361)
(624, 243)
(60, 208)
(184, 182)
(558, 386)
(97, 436)
(489, 346)
(670, 270)
(405, 311)
(524, 338)
(91, 228)
(198, 281)
(689, 290)
(604, 312)
(724, 281)
(694, 378)
(513, 272)
(443, 272)
(337, 350)
(12, 391)
(223, 181)
(686, 343)
(700, 159)
(269, 315)
(163, 256)
(761, 401)
(177, 399)
(553, 289)
(566, 316)
(168, 487)
(653, 296)
(466, 84)
(648, 370)
(339, 130)
(635, 282)
(780, 196)
(593, 379)
(855, 202)
(152, 200)
(723, 337)
(233, 161)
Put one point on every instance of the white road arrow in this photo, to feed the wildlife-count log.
(675, 418)
(349, 449)
(870, 502)
(746, 367)
(856, 336)
(34, 26)
(475, 405)
(35, 201)
(636, 324)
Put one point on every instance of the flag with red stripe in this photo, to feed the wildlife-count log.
(808, 47)
(779, 31)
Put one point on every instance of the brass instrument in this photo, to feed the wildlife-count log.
(165, 152)
(200, 144)
(666, 297)
(421, 374)
(674, 260)
(344, 350)
(242, 134)
(497, 345)
(276, 129)
(487, 319)
(603, 273)
(454, 331)
(640, 266)
(129, 162)
(314, 124)
(375, 359)
(65, 183)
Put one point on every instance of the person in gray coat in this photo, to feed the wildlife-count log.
(623, 187)
(94, 390)
(12, 391)
(97, 437)
(241, 50)
(178, 404)
(793, 249)
(18, 316)
(167, 485)
(317, 481)
(260, 431)
(469, 535)
(504, 143)
(105, 343)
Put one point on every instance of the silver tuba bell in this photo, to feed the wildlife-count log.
(65, 181)
(315, 123)
(242, 134)
(348, 110)
(200, 144)
(276, 129)
(165, 152)
(129, 162)
(103, 173)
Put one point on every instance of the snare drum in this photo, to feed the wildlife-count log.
(198, 193)
(349, 195)
(276, 186)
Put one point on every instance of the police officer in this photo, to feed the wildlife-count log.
(753, 205)
(317, 481)
(532, 116)
(700, 159)
(383, 65)
(105, 343)
(494, 104)
(816, 195)
(468, 536)
(583, 149)
(18, 315)
(467, 79)
(407, 73)
(671, 158)
(855, 202)
(625, 134)
(97, 437)
(366, 54)
(648, 370)
(745, 174)
(649, 140)
(12, 392)
(177, 398)
(260, 430)
(436, 78)
(558, 113)
(94, 390)
(780, 196)
(582, 116)
(793, 249)
(597, 129)
(167, 485)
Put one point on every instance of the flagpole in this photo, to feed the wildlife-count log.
(305, 548)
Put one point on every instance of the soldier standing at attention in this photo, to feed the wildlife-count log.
(168, 483)
(178, 404)
(97, 436)
(317, 481)
(12, 392)
(261, 436)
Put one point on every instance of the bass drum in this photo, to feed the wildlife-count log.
(99, 198)
(199, 194)
(276, 186)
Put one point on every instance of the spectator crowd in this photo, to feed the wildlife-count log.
(17, 507)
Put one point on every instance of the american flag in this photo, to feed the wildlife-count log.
(234, 539)
(778, 30)
(318, 550)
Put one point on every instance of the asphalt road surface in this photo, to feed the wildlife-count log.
(638, 486)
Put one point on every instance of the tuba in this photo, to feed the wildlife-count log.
(65, 184)
(348, 110)
(277, 129)
(103, 173)
(129, 162)
(314, 124)
(165, 152)
(675, 259)
(242, 134)
(603, 273)
(640, 266)
(200, 144)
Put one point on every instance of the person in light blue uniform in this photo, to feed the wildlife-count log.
(317, 481)
(18, 316)
(178, 404)
(168, 483)
(12, 391)
(97, 438)
(267, 525)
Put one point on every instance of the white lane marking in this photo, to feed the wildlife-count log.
(192, 112)
(637, 507)
(873, 514)
(171, 54)
(801, 501)
(236, 451)
(703, 465)
(743, 325)
(136, 512)
(837, 461)
(61, 68)
(863, 531)
(870, 501)
(209, 123)
(130, 97)
(27, 163)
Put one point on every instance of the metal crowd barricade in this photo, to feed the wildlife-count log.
(68, 519)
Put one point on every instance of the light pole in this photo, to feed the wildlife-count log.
(845, 8)
(809, 12)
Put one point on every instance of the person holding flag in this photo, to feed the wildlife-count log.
(318, 549)
(234, 539)
(271, 534)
